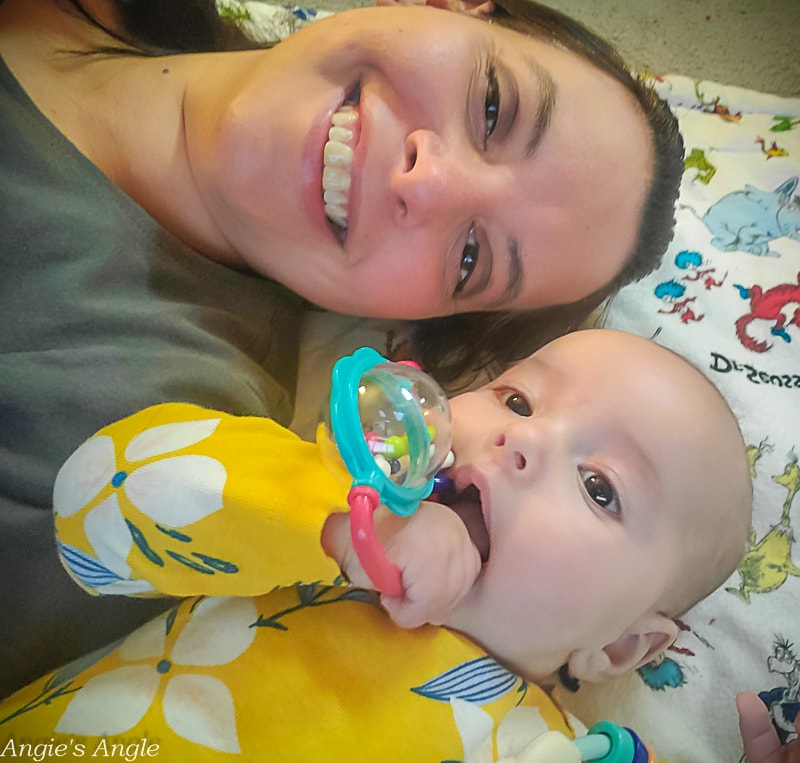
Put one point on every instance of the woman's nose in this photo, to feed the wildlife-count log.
(433, 179)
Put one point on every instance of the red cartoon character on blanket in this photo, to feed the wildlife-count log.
(769, 306)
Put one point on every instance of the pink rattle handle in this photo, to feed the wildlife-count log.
(385, 576)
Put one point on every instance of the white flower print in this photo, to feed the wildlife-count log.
(549, 747)
(197, 707)
(514, 732)
(475, 727)
(173, 492)
(523, 736)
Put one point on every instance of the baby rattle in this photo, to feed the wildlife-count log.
(387, 431)
(606, 742)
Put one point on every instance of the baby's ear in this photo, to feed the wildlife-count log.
(650, 635)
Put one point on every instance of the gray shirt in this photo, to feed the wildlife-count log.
(102, 313)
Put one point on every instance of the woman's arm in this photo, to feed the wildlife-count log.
(182, 500)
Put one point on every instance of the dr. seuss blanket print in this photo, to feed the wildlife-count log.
(727, 297)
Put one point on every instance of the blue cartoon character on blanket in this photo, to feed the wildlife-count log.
(748, 220)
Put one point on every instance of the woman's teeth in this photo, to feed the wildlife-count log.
(337, 158)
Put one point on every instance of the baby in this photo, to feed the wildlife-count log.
(601, 490)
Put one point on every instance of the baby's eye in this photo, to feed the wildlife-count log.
(469, 259)
(517, 403)
(599, 490)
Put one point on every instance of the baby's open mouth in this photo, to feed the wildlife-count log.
(467, 504)
(337, 161)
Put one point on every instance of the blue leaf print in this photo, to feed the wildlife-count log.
(173, 613)
(196, 566)
(220, 565)
(479, 681)
(143, 545)
(71, 671)
(85, 568)
(182, 537)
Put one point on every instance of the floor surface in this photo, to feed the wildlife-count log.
(751, 43)
(754, 44)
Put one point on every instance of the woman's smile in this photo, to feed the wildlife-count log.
(338, 155)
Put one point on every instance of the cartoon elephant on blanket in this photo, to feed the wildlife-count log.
(748, 220)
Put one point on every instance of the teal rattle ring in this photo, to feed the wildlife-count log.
(391, 425)
(606, 743)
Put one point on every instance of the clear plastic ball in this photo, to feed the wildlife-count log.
(404, 418)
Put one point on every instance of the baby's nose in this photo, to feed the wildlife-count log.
(521, 451)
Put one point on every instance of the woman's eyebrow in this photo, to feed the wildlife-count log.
(546, 98)
(516, 276)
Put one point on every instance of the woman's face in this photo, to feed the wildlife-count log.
(473, 167)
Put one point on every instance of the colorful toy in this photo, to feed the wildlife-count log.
(608, 743)
(387, 431)
(605, 743)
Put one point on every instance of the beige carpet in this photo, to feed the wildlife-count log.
(751, 43)
(754, 44)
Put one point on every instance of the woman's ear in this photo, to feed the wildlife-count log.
(471, 7)
(479, 8)
(650, 635)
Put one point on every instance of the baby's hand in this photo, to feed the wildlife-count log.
(761, 743)
(437, 560)
(432, 548)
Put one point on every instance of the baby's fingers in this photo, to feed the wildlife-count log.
(405, 612)
(433, 593)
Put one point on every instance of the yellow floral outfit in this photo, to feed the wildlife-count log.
(255, 666)
(181, 500)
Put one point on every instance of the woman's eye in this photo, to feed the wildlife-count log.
(600, 491)
(469, 259)
(491, 104)
(517, 403)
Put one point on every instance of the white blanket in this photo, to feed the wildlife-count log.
(727, 297)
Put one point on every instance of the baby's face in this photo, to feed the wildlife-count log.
(590, 459)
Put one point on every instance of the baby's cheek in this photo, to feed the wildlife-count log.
(546, 578)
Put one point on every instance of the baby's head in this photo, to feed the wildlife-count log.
(611, 493)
